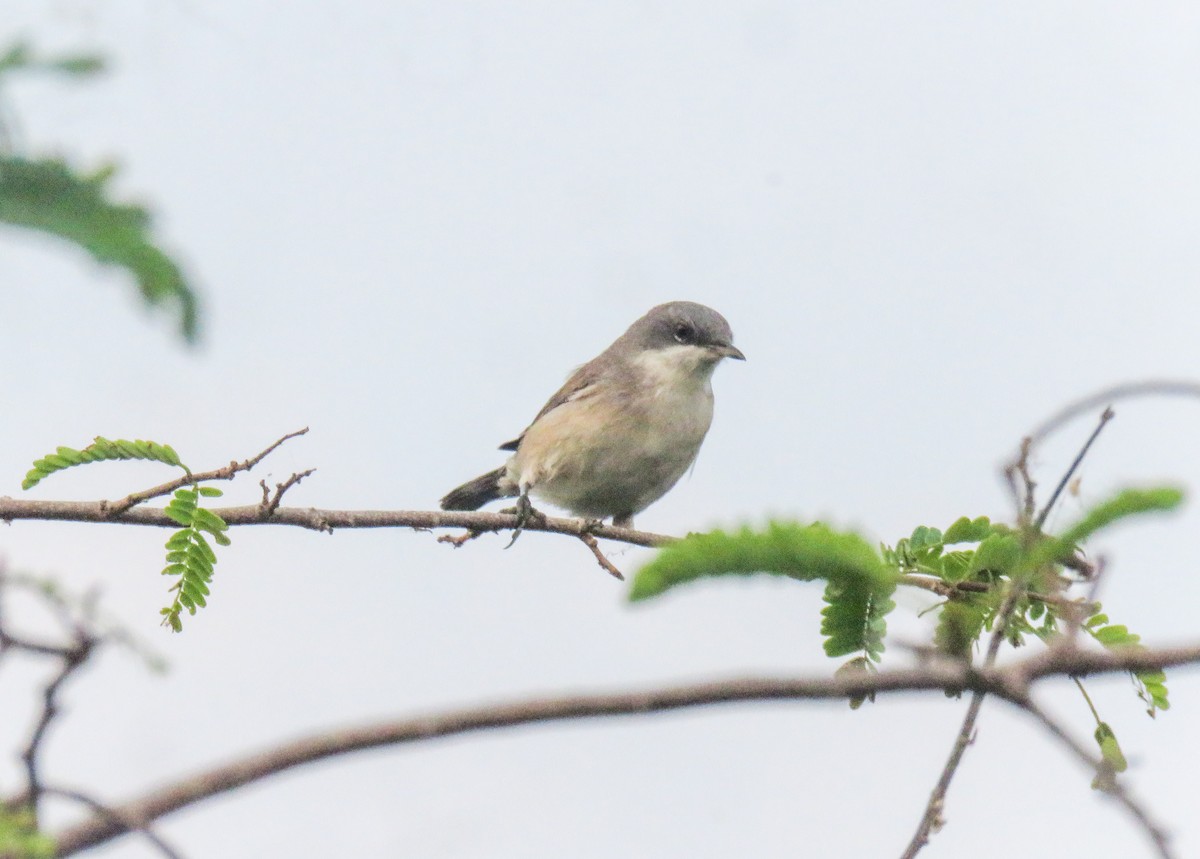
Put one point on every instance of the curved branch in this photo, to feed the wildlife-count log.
(1011, 683)
(1106, 396)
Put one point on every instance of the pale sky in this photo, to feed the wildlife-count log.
(929, 225)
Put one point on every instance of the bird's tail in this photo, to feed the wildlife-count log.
(475, 493)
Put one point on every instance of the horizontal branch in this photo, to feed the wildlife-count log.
(13, 509)
(1011, 682)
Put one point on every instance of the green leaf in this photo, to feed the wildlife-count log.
(20, 57)
(852, 670)
(179, 540)
(19, 836)
(1151, 685)
(1112, 759)
(211, 492)
(50, 197)
(1129, 502)
(854, 618)
(960, 623)
(998, 553)
(178, 513)
(1118, 634)
(968, 530)
(955, 566)
(803, 552)
(924, 536)
(99, 450)
(209, 521)
(859, 584)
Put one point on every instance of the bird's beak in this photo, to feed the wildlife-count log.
(728, 350)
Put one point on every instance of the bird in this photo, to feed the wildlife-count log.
(623, 428)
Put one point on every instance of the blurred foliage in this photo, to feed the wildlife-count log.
(51, 196)
(19, 837)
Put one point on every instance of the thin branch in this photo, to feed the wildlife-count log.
(945, 589)
(270, 505)
(605, 563)
(16, 642)
(227, 472)
(14, 509)
(116, 818)
(72, 658)
(931, 820)
(1113, 787)
(1011, 682)
(1105, 417)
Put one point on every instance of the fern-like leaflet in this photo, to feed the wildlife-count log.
(858, 589)
(189, 555)
(99, 450)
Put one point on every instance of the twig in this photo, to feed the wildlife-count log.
(116, 818)
(1113, 787)
(1011, 682)
(605, 563)
(16, 642)
(931, 819)
(1105, 417)
(462, 538)
(72, 658)
(115, 508)
(945, 589)
(269, 507)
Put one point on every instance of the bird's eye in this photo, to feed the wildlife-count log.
(684, 333)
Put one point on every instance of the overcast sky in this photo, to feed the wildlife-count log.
(929, 225)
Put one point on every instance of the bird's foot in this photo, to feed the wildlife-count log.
(525, 514)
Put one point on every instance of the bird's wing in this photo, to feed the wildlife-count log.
(580, 384)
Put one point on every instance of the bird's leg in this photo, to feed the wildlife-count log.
(525, 512)
(625, 521)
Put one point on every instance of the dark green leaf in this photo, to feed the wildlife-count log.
(50, 197)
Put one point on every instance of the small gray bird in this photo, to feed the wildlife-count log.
(625, 426)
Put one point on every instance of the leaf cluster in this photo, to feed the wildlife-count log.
(992, 576)
(190, 556)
